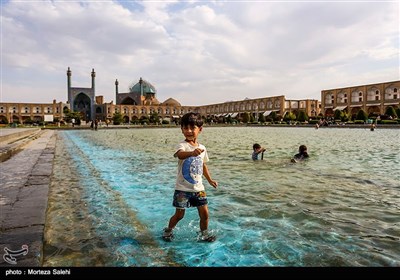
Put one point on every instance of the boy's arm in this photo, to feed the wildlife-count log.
(181, 154)
(206, 174)
(261, 150)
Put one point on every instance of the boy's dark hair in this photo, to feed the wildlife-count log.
(256, 146)
(191, 119)
(303, 148)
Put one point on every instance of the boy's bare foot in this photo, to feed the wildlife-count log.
(168, 235)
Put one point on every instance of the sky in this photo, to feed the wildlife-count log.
(197, 52)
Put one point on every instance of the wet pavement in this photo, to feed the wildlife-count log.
(24, 185)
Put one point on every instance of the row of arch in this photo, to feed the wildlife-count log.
(243, 106)
(358, 96)
(370, 110)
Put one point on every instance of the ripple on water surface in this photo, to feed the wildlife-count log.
(111, 196)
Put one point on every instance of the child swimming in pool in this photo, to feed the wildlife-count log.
(302, 155)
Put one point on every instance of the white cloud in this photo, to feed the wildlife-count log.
(196, 52)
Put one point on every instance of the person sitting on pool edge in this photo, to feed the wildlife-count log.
(257, 150)
(302, 155)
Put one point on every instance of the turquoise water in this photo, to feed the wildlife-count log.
(111, 196)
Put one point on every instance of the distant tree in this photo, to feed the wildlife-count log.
(361, 115)
(398, 112)
(273, 116)
(245, 117)
(390, 111)
(3, 120)
(73, 115)
(117, 118)
(338, 114)
(144, 120)
(261, 118)
(302, 116)
(345, 116)
(154, 118)
(289, 116)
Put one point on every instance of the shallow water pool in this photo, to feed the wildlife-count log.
(111, 196)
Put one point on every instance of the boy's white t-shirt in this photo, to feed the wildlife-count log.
(190, 170)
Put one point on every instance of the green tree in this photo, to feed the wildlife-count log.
(361, 115)
(273, 116)
(73, 115)
(154, 118)
(261, 118)
(302, 116)
(3, 120)
(338, 114)
(245, 117)
(390, 111)
(289, 117)
(398, 112)
(345, 116)
(144, 120)
(117, 118)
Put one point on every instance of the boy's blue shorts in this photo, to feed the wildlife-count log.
(184, 199)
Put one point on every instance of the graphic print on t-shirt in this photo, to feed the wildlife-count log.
(192, 168)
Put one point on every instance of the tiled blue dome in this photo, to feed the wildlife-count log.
(147, 87)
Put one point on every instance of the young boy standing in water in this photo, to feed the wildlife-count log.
(257, 150)
(189, 188)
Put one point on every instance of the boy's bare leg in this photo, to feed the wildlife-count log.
(203, 213)
(167, 234)
(179, 214)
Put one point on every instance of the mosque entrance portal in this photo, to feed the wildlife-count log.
(83, 105)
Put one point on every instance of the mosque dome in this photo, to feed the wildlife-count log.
(171, 102)
(147, 87)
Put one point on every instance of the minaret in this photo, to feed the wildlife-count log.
(141, 86)
(116, 89)
(93, 97)
(93, 76)
(69, 87)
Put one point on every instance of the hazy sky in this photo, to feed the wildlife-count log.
(198, 52)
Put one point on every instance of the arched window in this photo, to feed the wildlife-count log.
(357, 96)
(341, 97)
(329, 98)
